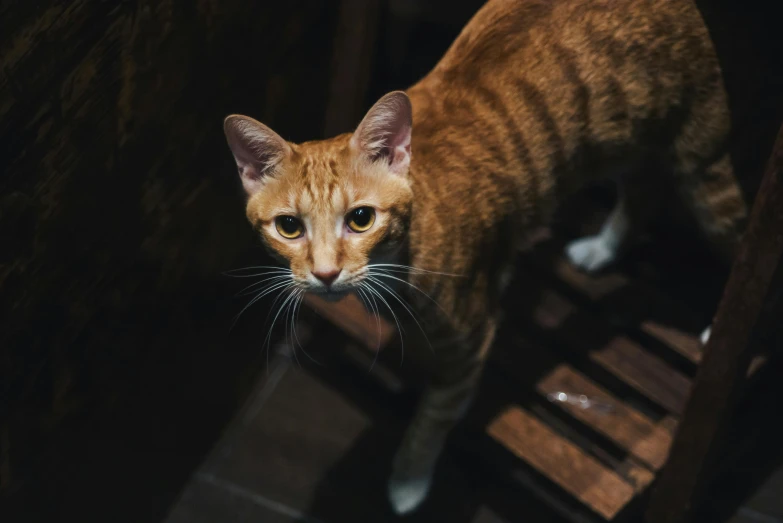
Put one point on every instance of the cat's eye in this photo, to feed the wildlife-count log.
(289, 227)
(360, 219)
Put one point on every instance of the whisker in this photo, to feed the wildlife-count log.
(266, 321)
(266, 345)
(375, 312)
(250, 288)
(297, 307)
(407, 268)
(399, 327)
(239, 273)
(288, 312)
(381, 274)
(360, 294)
(281, 309)
(253, 267)
(405, 306)
(280, 295)
(260, 295)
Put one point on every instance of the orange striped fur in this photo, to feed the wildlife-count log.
(534, 99)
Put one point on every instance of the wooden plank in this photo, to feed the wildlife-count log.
(582, 476)
(621, 356)
(509, 358)
(687, 344)
(626, 427)
(636, 474)
(631, 300)
(645, 372)
(349, 314)
(728, 354)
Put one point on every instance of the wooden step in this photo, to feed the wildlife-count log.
(636, 305)
(584, 333)
(567, 340)
(579, 474)
(685, 343)
(630, 430)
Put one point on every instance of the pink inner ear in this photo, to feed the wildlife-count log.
(400, 148)
(399, 154)
(256, 149)
(385, 132)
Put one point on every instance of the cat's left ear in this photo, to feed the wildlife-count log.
(385, 132)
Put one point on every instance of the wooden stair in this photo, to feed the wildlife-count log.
(600, 337)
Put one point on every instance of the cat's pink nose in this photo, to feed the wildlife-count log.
(327, 277)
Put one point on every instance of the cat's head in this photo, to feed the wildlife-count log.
(327, 208)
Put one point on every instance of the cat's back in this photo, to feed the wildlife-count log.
(544, 32)
(530, 87)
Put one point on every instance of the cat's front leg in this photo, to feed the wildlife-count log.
(445, 401)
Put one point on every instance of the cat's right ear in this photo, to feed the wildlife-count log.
(257, 150)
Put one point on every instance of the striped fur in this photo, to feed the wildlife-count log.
(533, 100)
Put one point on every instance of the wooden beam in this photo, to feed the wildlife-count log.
(728, 354)
(5, 456)
(352, 57)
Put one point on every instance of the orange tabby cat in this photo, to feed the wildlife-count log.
(532, 101)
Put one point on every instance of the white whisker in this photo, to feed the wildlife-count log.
(378, 323)
(288, 313)
(373, 311)
(399, 327)
(407, 268)
(261, 294)
(297, 306)
(404, 304)
(283, 307)
(381, 274)
(235, 273)
(250, 288)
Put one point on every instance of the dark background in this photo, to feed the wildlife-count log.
(120, 210)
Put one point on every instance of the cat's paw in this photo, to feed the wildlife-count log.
(705, 335)
(590, 254)
(405, 495)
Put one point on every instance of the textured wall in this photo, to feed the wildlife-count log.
(119, 206)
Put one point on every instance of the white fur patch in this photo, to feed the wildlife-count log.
(594, 253)
(705, 335)
(407, 495)
(591, 254)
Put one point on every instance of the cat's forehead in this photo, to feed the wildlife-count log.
(317, 171)
(321, 161)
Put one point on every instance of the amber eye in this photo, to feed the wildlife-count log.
(289, 227)
(361, 219)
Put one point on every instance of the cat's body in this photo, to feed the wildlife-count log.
(534, 100)
(585, 90)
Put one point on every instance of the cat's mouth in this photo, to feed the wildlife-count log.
(330, 295)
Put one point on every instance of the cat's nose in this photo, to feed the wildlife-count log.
(327, 277)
